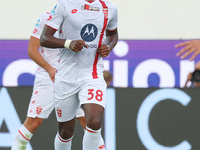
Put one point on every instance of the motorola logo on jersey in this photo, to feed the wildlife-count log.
(89, 32)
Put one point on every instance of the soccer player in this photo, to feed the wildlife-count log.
(42, 100)
(89, 32)
(189, 47)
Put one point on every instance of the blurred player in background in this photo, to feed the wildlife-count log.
(79, 78)
(107, 77)
(42, 100)
(189, 47)
(192, 76)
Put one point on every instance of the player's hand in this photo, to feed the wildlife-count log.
(189, 47)
(104, 50)
(77, 45)
(52, 72)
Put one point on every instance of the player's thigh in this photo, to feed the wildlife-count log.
(66, 108)
(42, 100)
(80, 113)
(94, 92)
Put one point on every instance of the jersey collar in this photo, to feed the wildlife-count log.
(85, 1)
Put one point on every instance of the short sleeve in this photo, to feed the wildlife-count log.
(39, 26)
(57, 15)
(113, 23)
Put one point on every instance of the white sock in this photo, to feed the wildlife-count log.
(62, 144)
(101, 144)
(22, 138)
(91, 139)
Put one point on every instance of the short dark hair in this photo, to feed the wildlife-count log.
(196, 76)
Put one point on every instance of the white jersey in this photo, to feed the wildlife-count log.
(50, 55)
(79, 19)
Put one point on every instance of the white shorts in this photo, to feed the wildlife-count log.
(80, 113)
(69, 96)
(42, 100)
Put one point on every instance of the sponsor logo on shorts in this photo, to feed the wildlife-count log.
(39, 110)
(59, 112)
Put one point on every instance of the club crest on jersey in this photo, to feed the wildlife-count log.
(89, 32)
(59, 112)
(105, 11)
(90, 8)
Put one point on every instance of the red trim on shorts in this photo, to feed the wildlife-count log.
(24, 136)
(91, 131)
(63, 140)
(94, 73)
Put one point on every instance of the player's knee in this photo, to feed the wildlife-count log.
(32, 123)
(94, 124)
(66, 133)
(36, 123)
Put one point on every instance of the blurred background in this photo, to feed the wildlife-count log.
(149, 105)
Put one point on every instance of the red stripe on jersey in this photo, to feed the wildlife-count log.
(63, 140)
(94, 73)
(23, 136)
(105, 11)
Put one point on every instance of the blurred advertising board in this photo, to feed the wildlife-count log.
(133, 63)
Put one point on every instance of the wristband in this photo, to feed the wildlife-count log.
(67, 43)
(108, 46)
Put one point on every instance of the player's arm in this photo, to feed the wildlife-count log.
(189, 47)
(34, 44)
(48, 40)
(189, 78)
(111, 41)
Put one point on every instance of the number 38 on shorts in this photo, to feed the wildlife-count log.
(97, 94)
